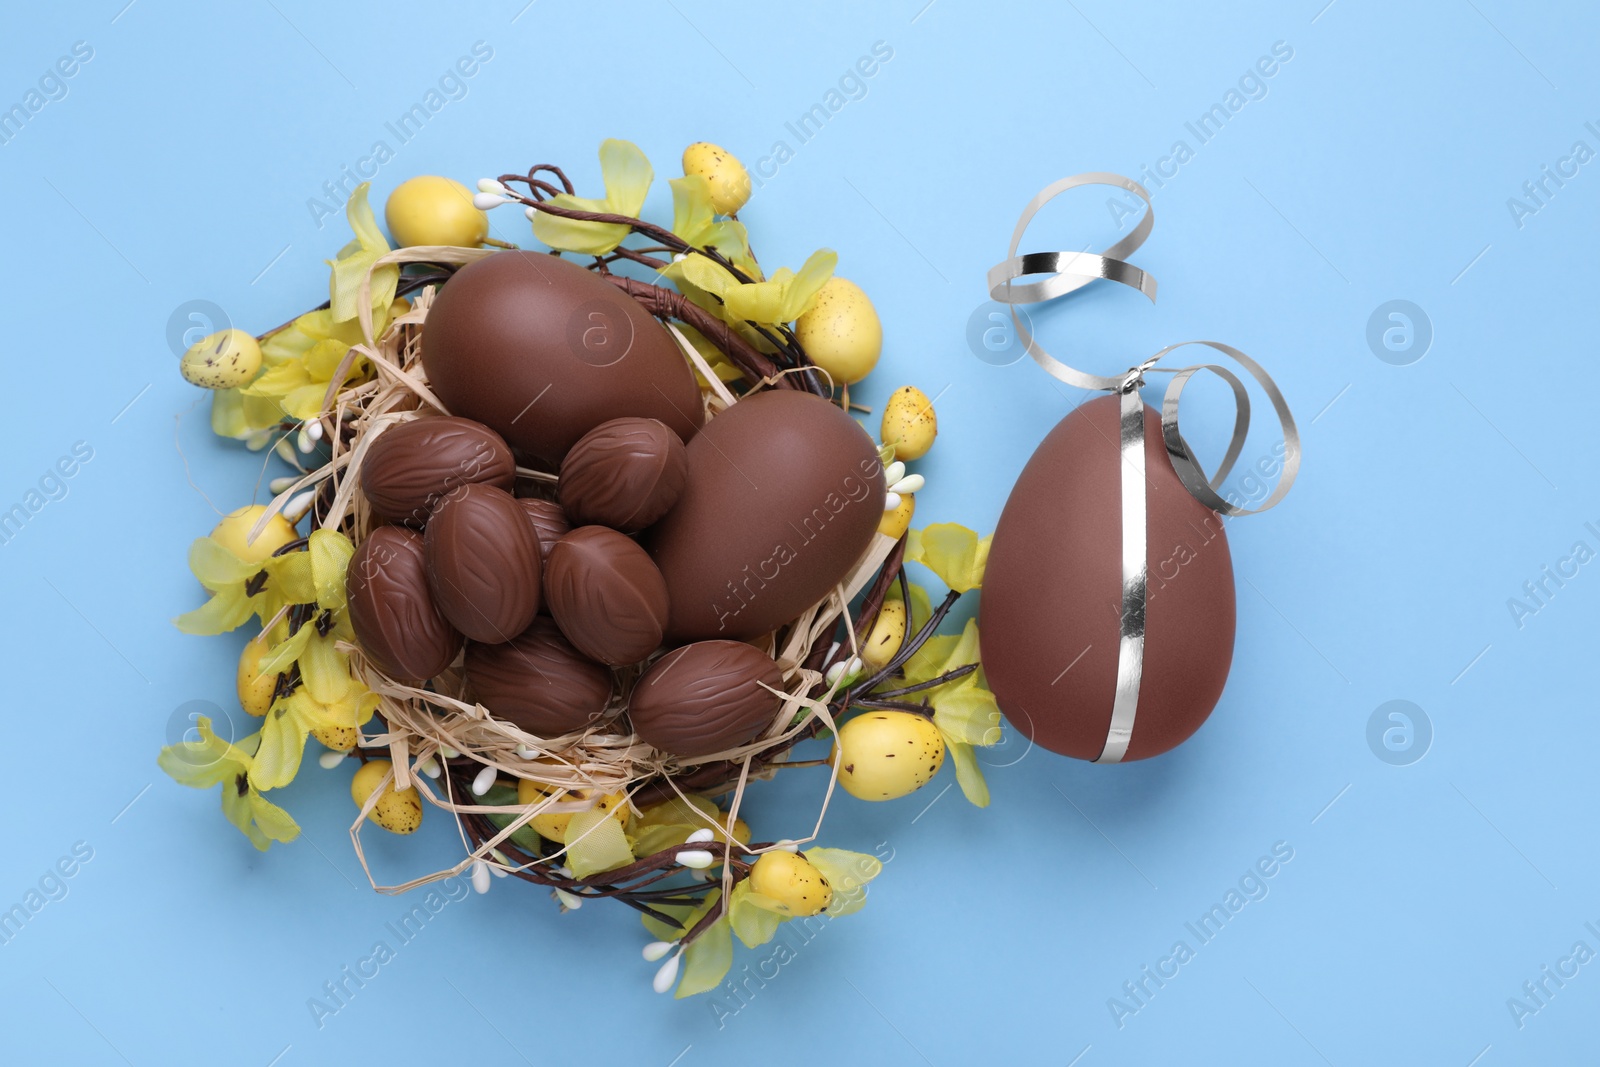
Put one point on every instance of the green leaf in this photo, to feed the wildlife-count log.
(595, 842)
(330, 553)
(803, 287)
(953, 552)
(966, 713)
(707, 961)
(627, 174)
(848, 873)
(754, 925)
(223, 612)
(968, 774)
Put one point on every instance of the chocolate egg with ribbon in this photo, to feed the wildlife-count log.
(1108, 606)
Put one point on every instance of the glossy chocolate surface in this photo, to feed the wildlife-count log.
(538, 681)
(411, 466)
(392, 611)
(483, 563)
(542, 351)
(705, 698)
(625, 474)
(606, 595)
(784, 494)
(1050, 613)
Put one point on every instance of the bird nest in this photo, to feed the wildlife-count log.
(463, 760)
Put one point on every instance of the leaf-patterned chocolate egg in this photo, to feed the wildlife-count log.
(624, 474)
(483, 563)
(705, 697)
(396, 622)
(410, 467)
(606, 595)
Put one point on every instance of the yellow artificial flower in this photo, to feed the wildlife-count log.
(240, 588)
(212, 761)
(627, 175)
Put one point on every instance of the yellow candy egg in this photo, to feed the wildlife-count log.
(398, 810)
(841, 332)
(222, 360)
(552, 825)
(430, 210)
(897, 520)
(789, 879)
(255, 688)
(882, 755)
(909, 423)
(729, 181)
(887, 634)
(233, 533)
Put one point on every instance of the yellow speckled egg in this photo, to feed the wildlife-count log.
(882, 755)
(909, 423)
(791, 880)
(398, 811)
(222, 360)
(552, 825)
(233, 533)
(897, 520)
(729, 181)
(841, 332)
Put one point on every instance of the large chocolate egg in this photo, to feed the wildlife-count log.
(538, 681)
(410, 467)
(705, 697)
(606, 595)
(542, 351)
(624, 474)
(1052, 594)
(396, 622)
(483, 563)
(784, 494)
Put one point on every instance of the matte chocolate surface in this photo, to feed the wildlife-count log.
(542, 351)
(538, 681)
(625, 474)
(606, 595)
(410, 467)
(392, 611)
(705, 697)
(1052, 594)
(784, 494)
(483, 563)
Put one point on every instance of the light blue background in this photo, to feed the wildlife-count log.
(1377, 167)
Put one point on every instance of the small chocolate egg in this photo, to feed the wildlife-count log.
(396, 622)
(483, 563)
(542, 351)
(549, 522)
(1052, 594)
(705, 697)
(624, 474)
(606, 595)
(410, 467)
(785, 492)
(538, 681)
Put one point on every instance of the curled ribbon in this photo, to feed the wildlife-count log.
(1066, 272)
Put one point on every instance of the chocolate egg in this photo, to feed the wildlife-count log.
(396, 622)
(606, 595)
(538, 681)
(549, 522)
(1052, 594)
(410, 467)
(705, 697)
(483, 563)
(784, 494)
(625, 474)
(542, 351)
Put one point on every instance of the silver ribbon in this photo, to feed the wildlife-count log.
(1066, 272)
